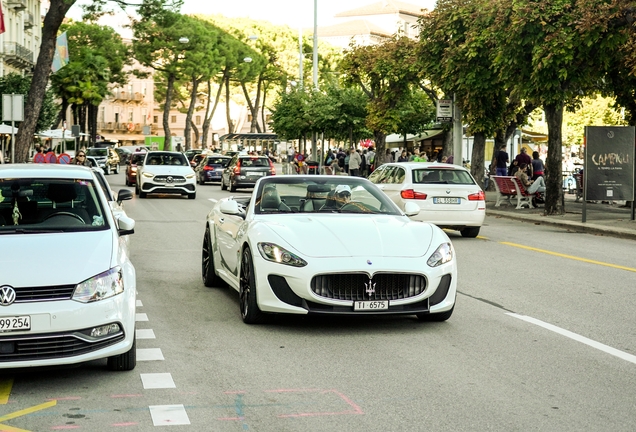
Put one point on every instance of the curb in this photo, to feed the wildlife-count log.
(624, 233)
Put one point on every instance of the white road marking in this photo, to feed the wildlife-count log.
(149, 354)
(169, 415)
(141, 317)
(138, 303)
(599, 346)
(157, 381)
(145, 334)
(213, 200)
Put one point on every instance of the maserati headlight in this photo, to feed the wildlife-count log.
(148, 175)
(275, 253)
(100, 287)
(442, 255)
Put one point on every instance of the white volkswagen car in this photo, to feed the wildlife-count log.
(327, 245)
(67, 286)
(167, 173)
(447, 195)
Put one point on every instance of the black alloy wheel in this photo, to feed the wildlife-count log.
(223, 187)
(210, 279)
(124, 362)
(250, 312)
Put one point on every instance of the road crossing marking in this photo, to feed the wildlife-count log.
(572, 257)
(149, 354)
(21, 413)
(145, 334)
(5, 390)
(169, 415)
(141, 317)
(594, 344)
(157, 381)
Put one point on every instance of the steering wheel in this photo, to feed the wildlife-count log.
(354, 207)
(78, 217)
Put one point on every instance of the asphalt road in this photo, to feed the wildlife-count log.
(542, 338)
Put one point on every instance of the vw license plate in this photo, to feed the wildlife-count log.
(15, 323)
(370, 305)
(445, 200)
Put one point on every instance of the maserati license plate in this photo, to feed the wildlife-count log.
(370, 305)
(15, 323)
(445, 200)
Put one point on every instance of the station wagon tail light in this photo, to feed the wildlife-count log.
(237, 168)
(100, 287)
(208, 168)
(479, 196)
(411, 194)
(272, 168)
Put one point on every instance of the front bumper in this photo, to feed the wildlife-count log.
(149, 186)
(298, 298)
(60, 332)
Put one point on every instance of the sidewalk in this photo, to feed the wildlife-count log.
(605, 219)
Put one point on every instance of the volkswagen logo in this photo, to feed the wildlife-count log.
(610, 134)
(169, 179)
(448, 192)
(7, 295)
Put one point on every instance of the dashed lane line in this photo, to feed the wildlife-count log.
(572, 257)
(169, 415)
(157, 381)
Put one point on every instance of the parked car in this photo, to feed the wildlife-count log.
(165, 172)
(447, 195)
(244, 170)
(106, 158)
(191, 153)
(328, 245)
(211, 168)
(134, 161)
(82, 310)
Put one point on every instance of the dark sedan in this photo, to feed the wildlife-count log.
(243, 171)
(210, 169)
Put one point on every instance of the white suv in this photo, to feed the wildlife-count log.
(67, 287)
(166, 172)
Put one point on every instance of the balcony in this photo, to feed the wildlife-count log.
(138, 97)
(105, 126)
(17, 5)
(122, 95)
(17, 56)
(29, 21)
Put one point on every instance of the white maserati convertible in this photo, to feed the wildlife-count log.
(328, 245)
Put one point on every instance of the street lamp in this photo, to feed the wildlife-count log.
(184, 40)
(247, 59)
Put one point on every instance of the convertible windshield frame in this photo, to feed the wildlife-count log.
(310, 194)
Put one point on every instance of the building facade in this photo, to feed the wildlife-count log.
(20, 42)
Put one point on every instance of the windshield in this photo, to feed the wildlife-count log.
(44, 205)
(248, 162)
(218, 161)
(97, 152)
(321, 195)
(160, 158)
(442, 176)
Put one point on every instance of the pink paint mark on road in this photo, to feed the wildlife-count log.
(317, 414)
(292, 390)
(65, 427)
(353, 405)
(124, 424)
(65, 398)
(356, 409)
(231, 418)
(126, 396)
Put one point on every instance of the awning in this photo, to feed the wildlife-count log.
(396, 138)
(248, 136)
(123, 137)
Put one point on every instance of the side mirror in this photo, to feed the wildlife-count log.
(124, 195)
(411, 209)
(230, 207)
(126, 225)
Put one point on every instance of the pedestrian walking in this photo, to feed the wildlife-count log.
(354, 163)
(501, 161)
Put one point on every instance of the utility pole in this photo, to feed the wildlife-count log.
(458, 133)
(314, 146)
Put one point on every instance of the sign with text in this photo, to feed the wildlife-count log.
(609, 163)
(445, 110)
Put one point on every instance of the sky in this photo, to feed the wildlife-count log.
(295, 13)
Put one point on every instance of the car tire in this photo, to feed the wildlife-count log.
(223, 187)
(232, 187)
(250, 313)
(124, 362)
(136, 189)
(436, 317)
(117, 169)
(210, 279)
(107, 170)
(142, 194)
(470, 232)
(192, 195)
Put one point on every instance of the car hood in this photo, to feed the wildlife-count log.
(54, 259)
(168, 170)
(353, 235)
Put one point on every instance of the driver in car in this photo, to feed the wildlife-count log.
(342, 195)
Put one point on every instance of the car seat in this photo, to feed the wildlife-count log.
(448, 177)
(271, 202)
(63, 197)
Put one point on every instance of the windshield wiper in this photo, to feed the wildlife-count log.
(30, 231)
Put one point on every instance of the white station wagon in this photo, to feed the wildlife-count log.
(447, 195)
(67, 286)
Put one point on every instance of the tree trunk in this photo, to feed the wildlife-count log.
(166, 113)
(263, 117)
(209, 114)
(35, 98)
(197, 135)
(93, 123)
(188, 123)
(61, 116)
(477, 158)
(554, 189)
(230, 126)
(380, 148)
(253, 107)
(447, 146)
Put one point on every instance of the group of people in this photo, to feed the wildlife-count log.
(528, 170)
(353, 162)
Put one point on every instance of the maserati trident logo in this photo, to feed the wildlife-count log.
(370, 288)
(7, 295)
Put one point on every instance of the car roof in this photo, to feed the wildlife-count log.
(60, 171)
(426, 165)
(162, 152)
